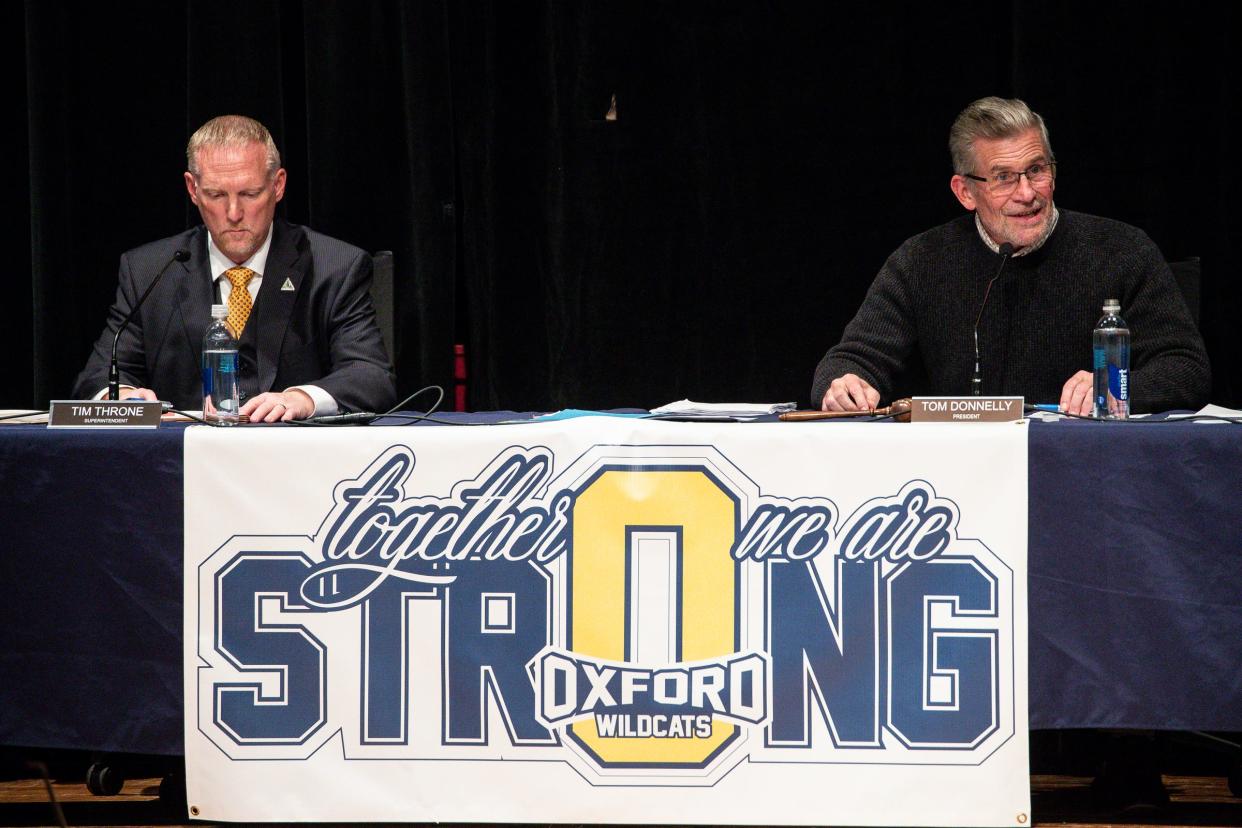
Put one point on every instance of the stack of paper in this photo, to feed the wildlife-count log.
(686, 409)
(22, 415)
(1211, 410)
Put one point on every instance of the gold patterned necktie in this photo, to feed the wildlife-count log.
(239, 299)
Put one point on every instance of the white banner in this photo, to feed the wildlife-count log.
(608, 621)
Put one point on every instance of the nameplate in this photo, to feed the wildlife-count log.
(105, 414)
(966, 409)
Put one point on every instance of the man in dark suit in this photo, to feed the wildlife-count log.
(298, 301)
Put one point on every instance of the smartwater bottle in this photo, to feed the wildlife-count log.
(1111, 346)
(220, 397)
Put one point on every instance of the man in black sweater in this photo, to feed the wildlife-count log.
(1035, 327)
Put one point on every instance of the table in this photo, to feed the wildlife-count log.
(1134, 542)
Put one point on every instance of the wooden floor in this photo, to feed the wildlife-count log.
(1056, 800)
(1193, 800)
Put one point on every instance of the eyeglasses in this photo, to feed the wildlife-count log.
(1006, 181)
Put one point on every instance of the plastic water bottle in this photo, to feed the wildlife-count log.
(220, 396)
(1111, 346)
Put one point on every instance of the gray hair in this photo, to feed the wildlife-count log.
(231, 131)
(991, 118)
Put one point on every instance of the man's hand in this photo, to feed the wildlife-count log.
(276, 406)
(850, 393)
(1077, 395)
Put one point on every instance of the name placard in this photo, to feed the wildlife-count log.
(105, 414)
(966, 409)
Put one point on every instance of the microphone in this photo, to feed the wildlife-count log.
(363, 417)
(114, 376)
(976, 382)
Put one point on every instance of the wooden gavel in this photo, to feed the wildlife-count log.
(899, 411)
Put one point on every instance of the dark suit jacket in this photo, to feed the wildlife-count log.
(322, 332)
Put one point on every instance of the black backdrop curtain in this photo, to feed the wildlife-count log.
(710, 242)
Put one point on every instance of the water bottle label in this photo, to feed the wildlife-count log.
(1119, 383)
(207, 384)
(228, 363)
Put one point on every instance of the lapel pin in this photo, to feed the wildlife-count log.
(288, 285)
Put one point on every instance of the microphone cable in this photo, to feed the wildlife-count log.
(367, 417)
(976, 382)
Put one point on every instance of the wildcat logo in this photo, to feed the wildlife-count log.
(678, 701)
(645, 614)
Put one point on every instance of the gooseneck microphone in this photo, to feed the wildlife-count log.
(114, 376)
(976, 382)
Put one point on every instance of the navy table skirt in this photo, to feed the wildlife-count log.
(1135, 582)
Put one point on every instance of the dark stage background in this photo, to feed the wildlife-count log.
(710, 243)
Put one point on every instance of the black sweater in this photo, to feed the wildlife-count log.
(1036, 329)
